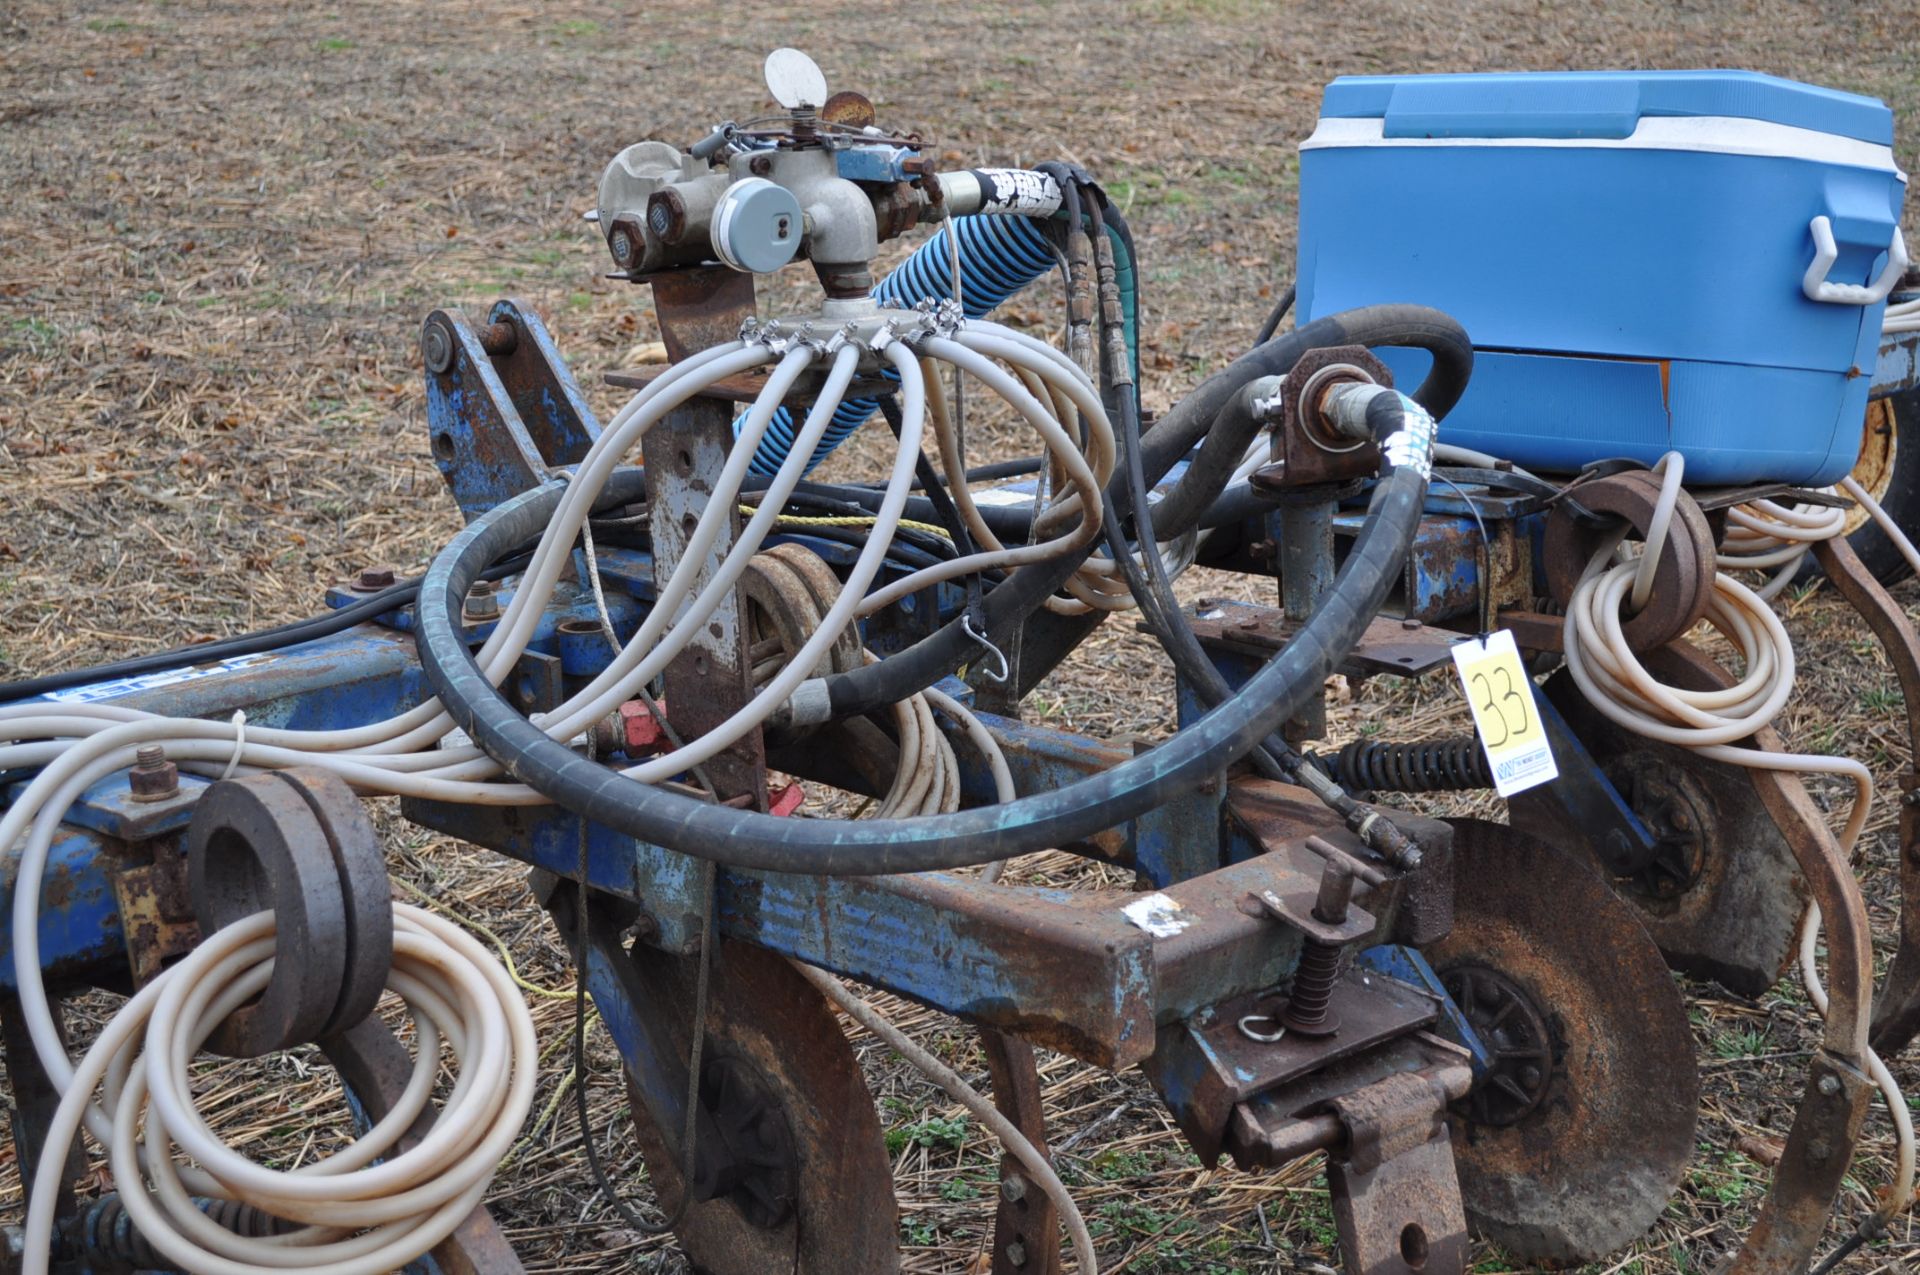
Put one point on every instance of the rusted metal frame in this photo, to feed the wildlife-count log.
(375, 1068)
(482, 448)
(543, 393)
(1206, 1066)
(1304, 532)
(1400, 648)
(700, 307)
(1396, 1197)
(156, 913)
(1069, 971)
(712, 679)
(1403, 1216)
(108, 899)
(1897, 1008)
(1026, 1226)
(1280, 1124)
(35, 1099)
(1818, 1152)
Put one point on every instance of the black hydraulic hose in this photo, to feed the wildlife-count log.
(1275, 758)
(1233, 423)
(1220, 453)
(1279, 312)
(864, 690)
(278, 638)
(751, 840)
(1153, 591)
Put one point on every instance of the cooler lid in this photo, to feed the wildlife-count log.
(1595, 104)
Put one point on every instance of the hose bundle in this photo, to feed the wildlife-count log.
(356, 1217)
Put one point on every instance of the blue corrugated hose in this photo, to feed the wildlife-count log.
(998, 257)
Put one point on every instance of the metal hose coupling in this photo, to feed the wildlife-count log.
(1405, 429)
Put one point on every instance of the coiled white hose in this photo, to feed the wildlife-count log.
(1765, 535)
(1710, 722)
(1904, 317)
(360, 1218)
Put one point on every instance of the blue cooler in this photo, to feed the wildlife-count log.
(1646, 261)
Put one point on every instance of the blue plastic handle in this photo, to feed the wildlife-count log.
(1516, 106)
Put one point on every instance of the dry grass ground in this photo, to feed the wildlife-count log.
(222, 223)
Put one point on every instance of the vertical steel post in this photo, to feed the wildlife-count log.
(1304, 532)
(712, 678)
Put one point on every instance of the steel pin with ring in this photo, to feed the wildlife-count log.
(1265, 1038)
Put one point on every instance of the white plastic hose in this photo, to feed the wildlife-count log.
(360, 1218)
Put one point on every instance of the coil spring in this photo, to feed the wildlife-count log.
(998, 257)
(1441, 765)
(103, 1238)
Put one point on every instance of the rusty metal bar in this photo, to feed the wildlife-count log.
(1897, 1008)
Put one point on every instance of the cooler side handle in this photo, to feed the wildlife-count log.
(1825, 252)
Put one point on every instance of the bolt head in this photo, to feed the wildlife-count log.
(481, 603)
(1013, 1188)
(1016, 1253)
(154, 781)
(620, 244)
(1829, 1085)
(436, 346)
(374, 579)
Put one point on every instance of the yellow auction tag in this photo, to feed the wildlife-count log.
(1504, 713)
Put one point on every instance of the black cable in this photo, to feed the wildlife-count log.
(753, 840)
(856, 537)
(391, 598)
(1152, 588)
(1279, 312)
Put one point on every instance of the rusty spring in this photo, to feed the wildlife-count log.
(1313, 982)
(1440, 765)
(103, 1238)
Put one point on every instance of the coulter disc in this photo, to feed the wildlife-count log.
(817, 1198)
(1570, 1147)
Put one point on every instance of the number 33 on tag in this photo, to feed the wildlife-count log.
(1504, 713)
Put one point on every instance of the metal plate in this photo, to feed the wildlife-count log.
(795, 80)
(1404, 648)
(765, 1019)
(1592, 1166)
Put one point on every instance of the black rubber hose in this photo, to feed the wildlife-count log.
(1275, 758)
(1279, 312)
(865, 690)
(1207, 474)
(751, 840)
